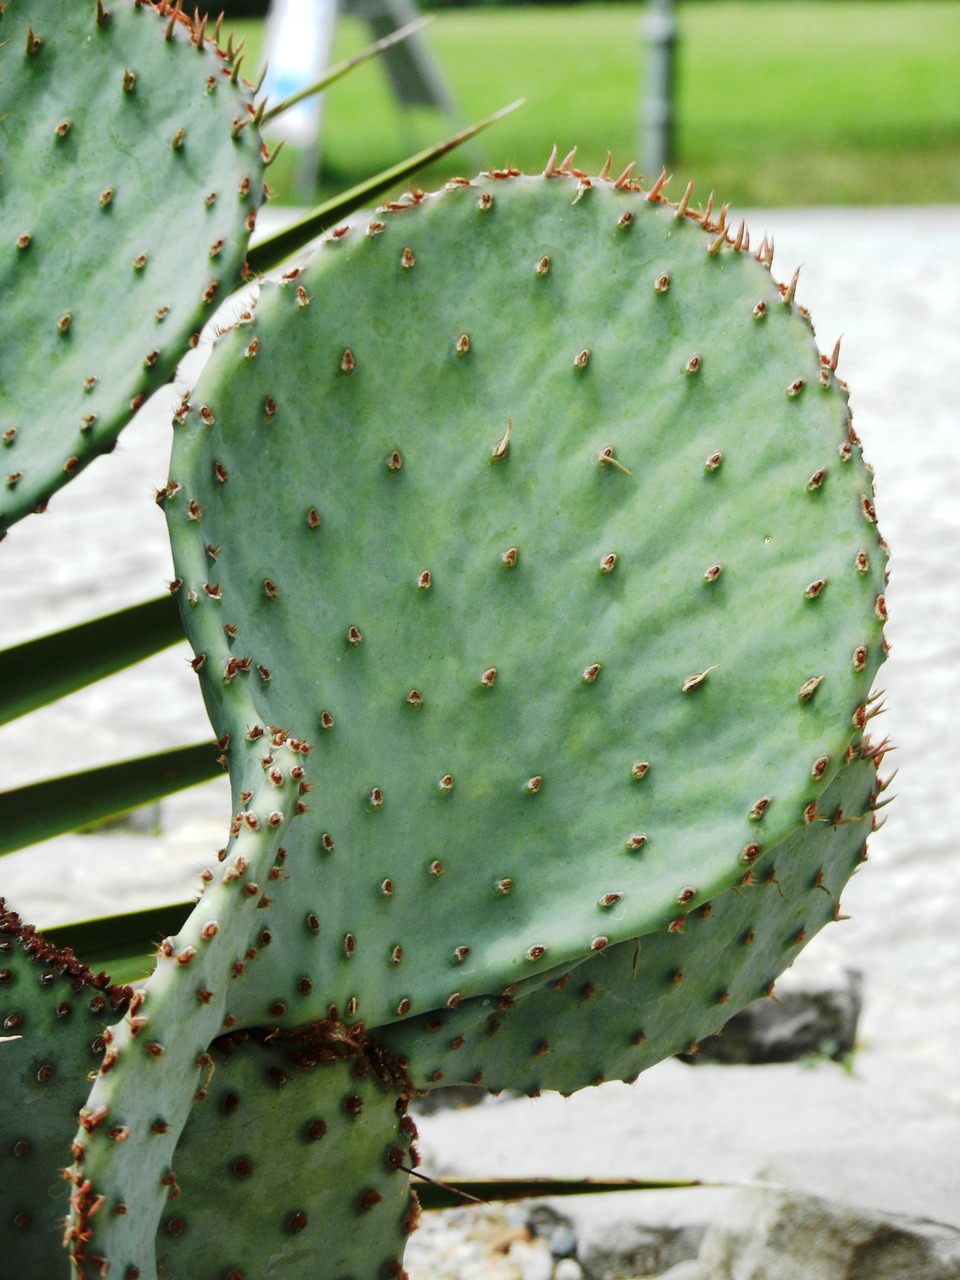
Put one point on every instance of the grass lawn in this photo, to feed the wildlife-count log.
(810, 102)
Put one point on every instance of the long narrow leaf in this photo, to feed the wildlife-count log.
(459, 1191)
(42, 670)
(341, 68)
(271, 252)
(50, 808)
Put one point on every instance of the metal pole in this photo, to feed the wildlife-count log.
(658, 30)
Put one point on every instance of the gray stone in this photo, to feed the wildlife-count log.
(783, 1233)
(622, 1249)
(547, 1219)
(628, 1234)
(641, 1234)
(562, 1241)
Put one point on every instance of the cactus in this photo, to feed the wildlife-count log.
(338, 1108)
(315, 1131)
(530, 565)
(580, 632)
(547, 789)
(129, 193)
(53, 1011)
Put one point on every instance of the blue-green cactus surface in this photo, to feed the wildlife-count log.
(129, 188)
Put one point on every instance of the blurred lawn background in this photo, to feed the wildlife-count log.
(783, 102)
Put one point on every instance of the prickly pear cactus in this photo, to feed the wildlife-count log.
(578, 600)
(128, 191)
(531, 568)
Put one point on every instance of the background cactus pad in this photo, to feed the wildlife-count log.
(127, 198)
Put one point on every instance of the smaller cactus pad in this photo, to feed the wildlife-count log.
(55, 1012)
(294, 1163)
(126, 203)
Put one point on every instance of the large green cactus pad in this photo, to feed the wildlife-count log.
(126, 204)
(531, 568)
(533, 507)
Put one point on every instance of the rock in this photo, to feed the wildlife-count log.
(562, 1241)
(547, 1219)
(780, 1234)
(622, 1234)
(632, 1234)
(814, 1013)
(621, 1249)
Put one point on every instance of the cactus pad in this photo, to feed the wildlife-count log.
(317, 1137)
(531, 568)
(127, 204)
(559, 551)
(55, 1012)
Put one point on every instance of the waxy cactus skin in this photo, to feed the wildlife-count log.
(552, 675)
(128, 197)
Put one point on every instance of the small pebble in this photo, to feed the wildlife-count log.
(568, 1269)
(562, 1241)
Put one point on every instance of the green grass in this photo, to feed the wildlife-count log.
(776, 104)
